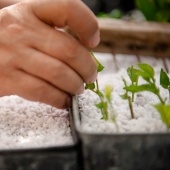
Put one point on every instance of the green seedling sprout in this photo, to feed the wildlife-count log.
(147, 73)
(134, 77)
(104, 105)
(165, 81)
(129, 98)
(164, 108)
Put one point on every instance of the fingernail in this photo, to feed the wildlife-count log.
(69, 101)
(95, 40)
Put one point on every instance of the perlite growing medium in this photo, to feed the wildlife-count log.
(26, 124)
(147, 119)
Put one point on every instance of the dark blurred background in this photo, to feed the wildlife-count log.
(152, 10)
(107, 6)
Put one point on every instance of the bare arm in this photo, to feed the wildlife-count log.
(5, 3)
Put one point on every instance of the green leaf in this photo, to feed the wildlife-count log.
(148, 8)
(147, 69)
(100, 67)
(100, 105)
(90, 86)
(108, 92)
(133, 74)
(164, 79)
(115, 13)
(164, 111)
(143, 87)
(124, 96)
(103, 106)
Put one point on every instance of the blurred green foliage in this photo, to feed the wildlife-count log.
(115, 13)
(155, 10)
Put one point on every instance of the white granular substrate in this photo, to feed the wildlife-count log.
(26, 124)
(147, 119)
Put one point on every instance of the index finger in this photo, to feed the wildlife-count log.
(72, 13)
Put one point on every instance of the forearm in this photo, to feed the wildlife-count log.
(4, 3)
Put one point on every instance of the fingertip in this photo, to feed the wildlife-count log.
(92, 78)
(94, 41)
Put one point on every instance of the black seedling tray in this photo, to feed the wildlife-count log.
(47, 158)
(122, 151)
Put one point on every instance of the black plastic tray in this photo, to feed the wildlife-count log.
(47, 158)
(123, 151)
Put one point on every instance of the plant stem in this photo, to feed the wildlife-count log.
(131, 107)
(97, 85)
(103, 110)
(158, 94)
(133, 94)
(160, 98)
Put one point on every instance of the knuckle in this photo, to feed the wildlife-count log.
(15, 29)
(72, 47)
(11, 26)
(56, 72)
(15, 61)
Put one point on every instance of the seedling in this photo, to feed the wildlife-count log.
(134, 76)
(146, 72)
(165, 81)
(163, 108)
(104, 105)
(126, 96)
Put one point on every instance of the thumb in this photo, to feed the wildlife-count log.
(72, 13)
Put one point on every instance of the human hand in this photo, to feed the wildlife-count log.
(5, 3)
(40, 62)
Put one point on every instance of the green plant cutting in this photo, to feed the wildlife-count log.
(105, 96)
(147, 73)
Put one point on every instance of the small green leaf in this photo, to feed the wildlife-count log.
(108, 92)
(164, 79)
(164, 111)
(124, 96)
(100, 105)
(147, 69)
(133, 74)
(143, 87)
(100, 67)
(90, 86)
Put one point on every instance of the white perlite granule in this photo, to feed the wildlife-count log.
(26, 124)
(147, 119)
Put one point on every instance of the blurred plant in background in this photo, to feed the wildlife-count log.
(115, 13)
(152, 10)
(155, 10)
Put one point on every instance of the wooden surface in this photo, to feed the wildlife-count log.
(140, 38)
